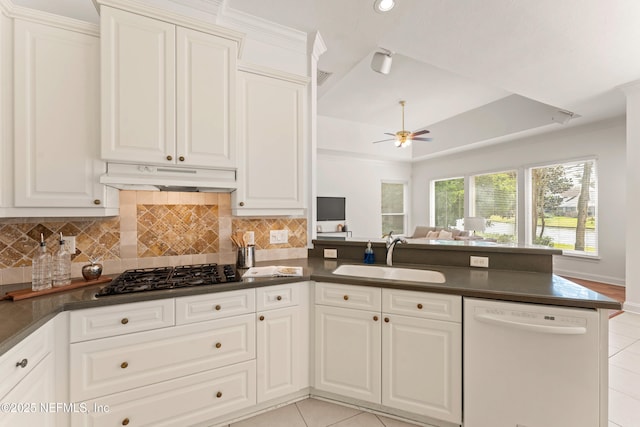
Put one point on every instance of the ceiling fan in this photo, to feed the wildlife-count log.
(403, 137)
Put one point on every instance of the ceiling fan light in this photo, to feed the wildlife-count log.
(407, 143)
(397, 143)
(382, 6)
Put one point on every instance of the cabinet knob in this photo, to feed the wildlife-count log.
(97, 201)
(124, 321)
(346, 297)
(218, 345)
(261, 318)
(125, 422)
(419, 306)
(279, 298)
(386, 320)
(375, 318)
(22, 363)
(218, 307)
(181, 158)
(169, 158)
(124, 365)
(219, 394)
(241, 203)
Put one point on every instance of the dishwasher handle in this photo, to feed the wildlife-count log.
(532, 327)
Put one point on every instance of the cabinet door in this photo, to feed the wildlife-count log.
(206, 68)
(57, 134)
(33, 397)
(278, 353)
(138, 88)
(348, 352)
(422, 366)
(270, 141)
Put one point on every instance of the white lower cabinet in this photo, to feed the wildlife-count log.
(390, 351)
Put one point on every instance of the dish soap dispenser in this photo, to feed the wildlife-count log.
(61, 265)
(41, 268)
(369, 256)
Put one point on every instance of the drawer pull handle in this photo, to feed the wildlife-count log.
(261, 318)
(218, 345)
(22, 363)
(218, 307)
(419, 306)
(386, 319)
(125, 422)
(97, 202)
(124, 321)
(181, 158)
(375, 318)
(279, 298)
(169, 158)
(219, 394)
(124, 365)
(241, 204)
(346, 297)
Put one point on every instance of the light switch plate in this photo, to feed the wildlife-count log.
(278, 237)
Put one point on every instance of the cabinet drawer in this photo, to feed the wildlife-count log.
(181, 402)
(28, 352)
(359, 297)
(121, 319)
(279, 296)
(199, 308)
(422, 304)
(116, 364)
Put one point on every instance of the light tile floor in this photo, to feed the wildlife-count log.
(624, 370)
(624, 391)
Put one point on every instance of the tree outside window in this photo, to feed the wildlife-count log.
(563, 207)
(449, 202)
(393, 207)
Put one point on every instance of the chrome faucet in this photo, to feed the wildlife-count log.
(391, 244)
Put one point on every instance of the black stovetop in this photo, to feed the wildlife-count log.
(161, 278)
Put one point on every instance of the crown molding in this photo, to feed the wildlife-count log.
(6, 6)
(318, 46)
(211, 7)
(272, 73)
(263, 30)
(53, 20)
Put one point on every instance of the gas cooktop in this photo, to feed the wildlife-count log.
(161, 278)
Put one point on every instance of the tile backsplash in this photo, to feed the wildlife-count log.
(153, 229)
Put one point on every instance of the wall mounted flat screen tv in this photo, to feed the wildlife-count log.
(331, 209)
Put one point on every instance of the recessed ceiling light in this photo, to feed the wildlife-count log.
(382, 6)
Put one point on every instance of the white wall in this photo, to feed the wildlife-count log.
(605, 140)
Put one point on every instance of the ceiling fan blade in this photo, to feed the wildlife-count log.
(422, 139)
(383, 140)
(420, 132)
(392, 134)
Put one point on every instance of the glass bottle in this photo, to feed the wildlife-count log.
(41, 268)
(61, 265)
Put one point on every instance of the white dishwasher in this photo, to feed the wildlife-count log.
(528, 365)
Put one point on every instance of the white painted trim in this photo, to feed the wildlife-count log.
(319, 46)
(136, 6)
(53, 20)
(631, 307)
(6, 6)
(263, 30)
(360, 156)
(273, 73)
(618, 281)
(210, 7)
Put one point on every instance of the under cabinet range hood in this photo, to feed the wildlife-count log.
(168, 178)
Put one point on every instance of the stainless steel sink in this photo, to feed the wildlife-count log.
(390, 273)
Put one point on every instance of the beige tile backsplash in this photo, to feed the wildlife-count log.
(153, 229)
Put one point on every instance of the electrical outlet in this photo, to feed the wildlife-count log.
(250, 238)
(479, 261)
(70, 244)
(278, 237)
(331, 253)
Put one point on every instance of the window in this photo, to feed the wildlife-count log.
(564, 207)
(448, 202)
(495, 198)
(393, 208)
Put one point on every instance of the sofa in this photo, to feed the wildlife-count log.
(441, 233)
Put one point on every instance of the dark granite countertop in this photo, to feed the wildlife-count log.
(18, 319)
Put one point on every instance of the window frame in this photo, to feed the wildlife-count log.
(405, 205)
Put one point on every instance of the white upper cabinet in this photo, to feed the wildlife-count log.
(271, 143)
(167, 93)
(56, 119)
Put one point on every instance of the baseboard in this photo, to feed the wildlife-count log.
(619, 281)
(631, 307)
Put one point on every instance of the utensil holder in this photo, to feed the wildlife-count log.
(246, 257)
